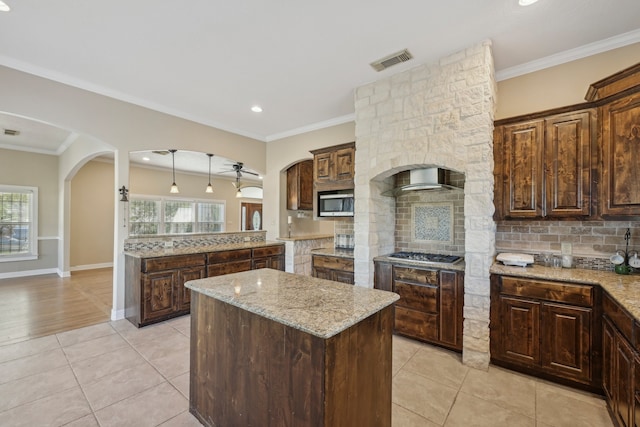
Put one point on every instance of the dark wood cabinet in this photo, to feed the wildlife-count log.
(430, 304)
(334, 167)
(300, 186)
(543, 166)
(338, 269)
(546, 328)
(269, 257)
(154, 288)
(620, 188)
(621, 382)
(226, 262)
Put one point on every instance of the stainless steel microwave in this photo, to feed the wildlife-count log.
(335, 203)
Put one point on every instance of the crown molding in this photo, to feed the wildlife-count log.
(314, 126)
(570, 55)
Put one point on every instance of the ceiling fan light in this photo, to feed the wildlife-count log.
(238, 194)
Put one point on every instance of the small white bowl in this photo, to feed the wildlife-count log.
(616, 259)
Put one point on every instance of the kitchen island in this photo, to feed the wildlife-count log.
(270, 348)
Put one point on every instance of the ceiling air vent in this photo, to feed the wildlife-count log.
(393, 59)
(11, 132)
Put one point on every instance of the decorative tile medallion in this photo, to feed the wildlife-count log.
(432, 222)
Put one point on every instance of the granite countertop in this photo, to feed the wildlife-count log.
(307, 237)
(319, 307)
(336, 252)
(458, 266)
(625, 289)
(199, 249)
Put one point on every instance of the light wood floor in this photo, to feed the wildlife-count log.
(42, 305)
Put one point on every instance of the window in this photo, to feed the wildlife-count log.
(18, 223)
(149, 215)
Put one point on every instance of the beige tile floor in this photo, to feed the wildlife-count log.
(113, 374)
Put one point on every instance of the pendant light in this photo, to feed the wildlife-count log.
(209, 187)
(239, 192)
(174, 186)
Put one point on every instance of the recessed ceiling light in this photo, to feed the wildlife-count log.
(146, 159)
(256, 109)
(4, 7)
(526, 2)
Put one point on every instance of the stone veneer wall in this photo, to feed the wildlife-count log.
(298, 254)
(439, 114)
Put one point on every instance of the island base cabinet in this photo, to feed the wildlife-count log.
(253, 371)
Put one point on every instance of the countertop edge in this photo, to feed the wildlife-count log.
(200, 249)
(459, 266)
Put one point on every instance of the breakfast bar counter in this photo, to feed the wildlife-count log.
(270, 348)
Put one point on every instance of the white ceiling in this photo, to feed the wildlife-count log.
(210, 61)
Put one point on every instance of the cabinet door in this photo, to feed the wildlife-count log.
(185, 275)
(520, 330)
(322, 273)
(624, 393)
(620, 187)
(323, 165)
(344, 164)
(523, 192)
(608, 352)
(160, 296)
(636, 403)
(451, 299)
(382, 278)
(343, 277)
(300, 186)
(276, 262)
(566, 344)
(568, 164)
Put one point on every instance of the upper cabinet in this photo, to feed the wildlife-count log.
(300, 186)
(333, 167)
(543, 165)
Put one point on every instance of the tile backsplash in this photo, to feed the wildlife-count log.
(149, 243)
(431, 221)
(593, 242)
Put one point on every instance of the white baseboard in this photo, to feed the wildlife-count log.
(117, 314)
(29, 273)
(91, 266)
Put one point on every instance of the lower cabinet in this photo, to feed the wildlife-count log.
(430, 304)
(338, 269)
(546, 328)
(269, 257)
(621, 364)
(154, 287)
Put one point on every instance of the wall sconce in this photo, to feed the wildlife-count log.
(123, 192)
(174, 186)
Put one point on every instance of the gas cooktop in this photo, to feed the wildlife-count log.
(426, 257)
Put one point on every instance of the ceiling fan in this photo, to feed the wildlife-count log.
(238, 168)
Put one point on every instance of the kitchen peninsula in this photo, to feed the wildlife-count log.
(270, 348)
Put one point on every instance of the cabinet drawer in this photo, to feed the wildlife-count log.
(226, 256)
(417, 297)
(172, 262)
(425, 277)
(416, 323)
(228, 267)
(334, 263)
(268, 251)
(552, 291)
(618, 316)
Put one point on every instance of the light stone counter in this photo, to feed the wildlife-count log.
(199, 249)
(319, 307)
(305, 237)
(331, 251)
(625, 289)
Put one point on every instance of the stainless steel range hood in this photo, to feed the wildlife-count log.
(422, 179)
